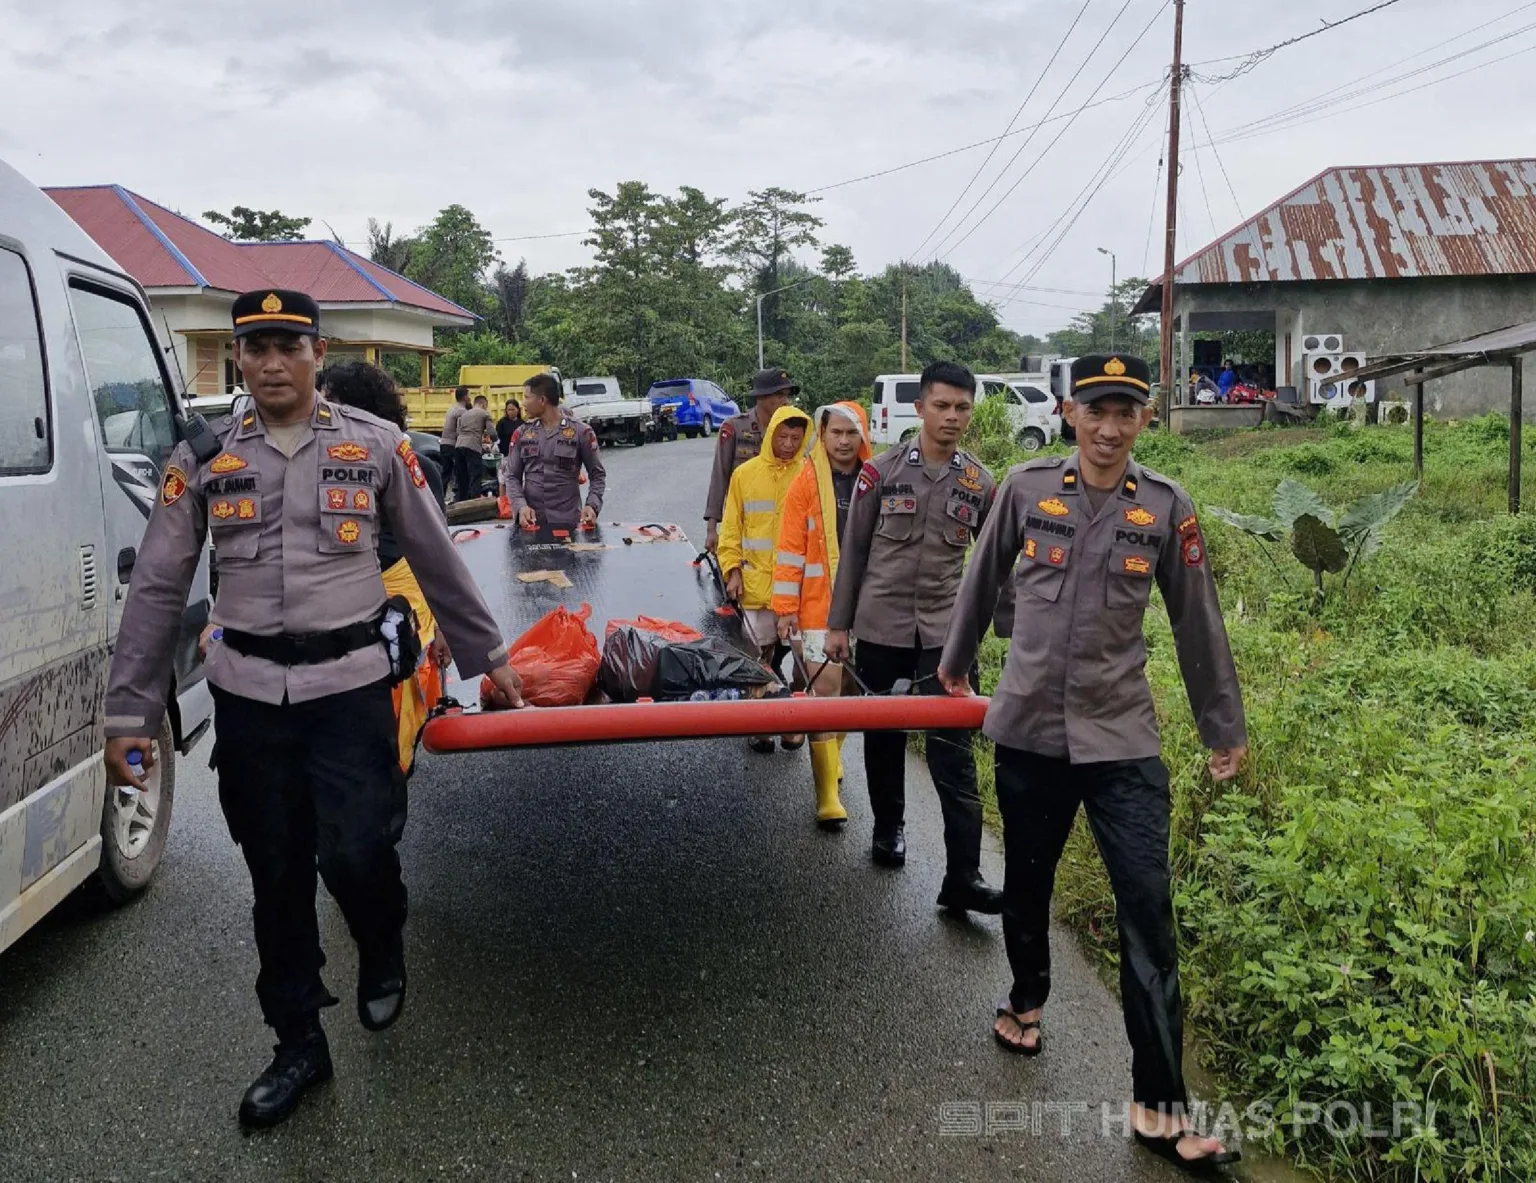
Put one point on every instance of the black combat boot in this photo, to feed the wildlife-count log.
(967, 891)
(303, 1059)
(890, 846)
(381, 985)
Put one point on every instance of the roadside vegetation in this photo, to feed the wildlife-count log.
(1357, 912)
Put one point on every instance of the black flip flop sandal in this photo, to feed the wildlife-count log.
(763, 747)
(1210, 1166)
(792, 747)
(1019, 1049)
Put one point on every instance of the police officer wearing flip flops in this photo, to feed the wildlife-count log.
(306, 749)
(1082, 540)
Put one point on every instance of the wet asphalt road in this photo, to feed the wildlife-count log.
(626, 963)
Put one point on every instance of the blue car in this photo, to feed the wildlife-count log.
(698, 404)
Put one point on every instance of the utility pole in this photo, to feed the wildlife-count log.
(903, 318)
(1170, 248)
(1114, 305)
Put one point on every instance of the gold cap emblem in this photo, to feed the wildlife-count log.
(1114, 367)
(271, 303)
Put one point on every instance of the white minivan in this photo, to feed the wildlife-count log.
(1032, 411)
(87, 422)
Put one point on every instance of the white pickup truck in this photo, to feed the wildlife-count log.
(600, 403)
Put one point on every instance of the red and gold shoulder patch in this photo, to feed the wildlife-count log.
(1136, 565)
(869, 477)
(172, 486)
(1193, 549)
(1188, 524)
(1140, 517)
(226, 462)
(404, 451)
(349, 532)
(348, 453)
(1054, 506)
(726, 431)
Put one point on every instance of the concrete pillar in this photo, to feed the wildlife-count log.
(426, 370)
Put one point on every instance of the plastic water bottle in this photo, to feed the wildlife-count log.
(730, 695)
(699, 696)
(135, 766)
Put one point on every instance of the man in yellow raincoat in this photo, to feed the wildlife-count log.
(749, 534)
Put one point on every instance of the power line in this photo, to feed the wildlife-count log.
(959, 197)
(1034, 163)
(1157, 188)
(1194, 151)
(1258, 57)
(1200, 110)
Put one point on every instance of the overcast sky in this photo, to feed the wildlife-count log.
(346, 109)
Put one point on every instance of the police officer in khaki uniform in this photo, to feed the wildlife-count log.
(914, 513)
(741, 438)
(448, 449)
(1073, 719)
(542, 470)
(306, 746)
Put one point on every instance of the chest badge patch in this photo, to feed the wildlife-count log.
(967, 482)
(1136, 565)
(900, 505)
(1031, 548)
(173, 486)
(336, 499)
(223, 510)
(1054, 506)
(246, 510)
(226, 462)
(1140, 517)
(361, 500)
(349, 532)
(1056, 556)
(348, 453)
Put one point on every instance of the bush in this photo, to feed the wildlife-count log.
(1358, 913)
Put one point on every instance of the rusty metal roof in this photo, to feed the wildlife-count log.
(1404, 221)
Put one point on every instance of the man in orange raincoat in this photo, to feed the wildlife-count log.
(815, 512)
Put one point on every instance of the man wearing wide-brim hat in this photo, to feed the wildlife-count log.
(741, 438)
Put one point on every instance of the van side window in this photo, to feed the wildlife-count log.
(906, 392)
(1035, 395)
(133, 409)
(26, 440)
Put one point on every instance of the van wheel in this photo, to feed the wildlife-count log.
(1031, 439)
(134, 827)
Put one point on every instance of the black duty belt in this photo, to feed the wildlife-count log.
(304, 648)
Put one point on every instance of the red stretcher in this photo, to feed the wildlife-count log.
(625, 571)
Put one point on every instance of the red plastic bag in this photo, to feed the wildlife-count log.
(557, 660)
(503, 506)
(667, 630)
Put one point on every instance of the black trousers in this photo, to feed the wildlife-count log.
(306, 785)
(466, 473)
(445, 455)
(1128, 805)
(951, 757)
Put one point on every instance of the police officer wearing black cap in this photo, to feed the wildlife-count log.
(741, 438)
(1073, 718)
(306, 753)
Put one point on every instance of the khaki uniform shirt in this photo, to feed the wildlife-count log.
(295, 540)
(450, 436)
(474, 425)
(903, 549)
(543, 466)
(1074, 684)
(740, 440)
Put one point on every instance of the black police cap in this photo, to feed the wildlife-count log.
(273, 310)
(1100, 375)
(772, 381)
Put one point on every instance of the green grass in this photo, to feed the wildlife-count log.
(1356, 912)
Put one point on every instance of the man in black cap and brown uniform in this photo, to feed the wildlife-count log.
(1073, 718)
(741, 438)
(307, 753)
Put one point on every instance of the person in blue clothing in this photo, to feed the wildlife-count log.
(1227, 381)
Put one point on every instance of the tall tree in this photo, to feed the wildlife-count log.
(452, 256)
(768, 227)
(388, 249)
(243, 224)
(511, 298)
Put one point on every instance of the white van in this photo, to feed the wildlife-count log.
(894, 419)
(87, 421)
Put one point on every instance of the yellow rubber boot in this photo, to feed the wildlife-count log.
(830, 814)
(841, 735)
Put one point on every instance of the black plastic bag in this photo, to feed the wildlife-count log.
(638, 664)
(628, 669)
(710, 664)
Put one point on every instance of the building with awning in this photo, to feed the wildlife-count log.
(193, 275)
(1368, 262)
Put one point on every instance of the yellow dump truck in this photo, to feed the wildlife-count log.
(428, 407)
